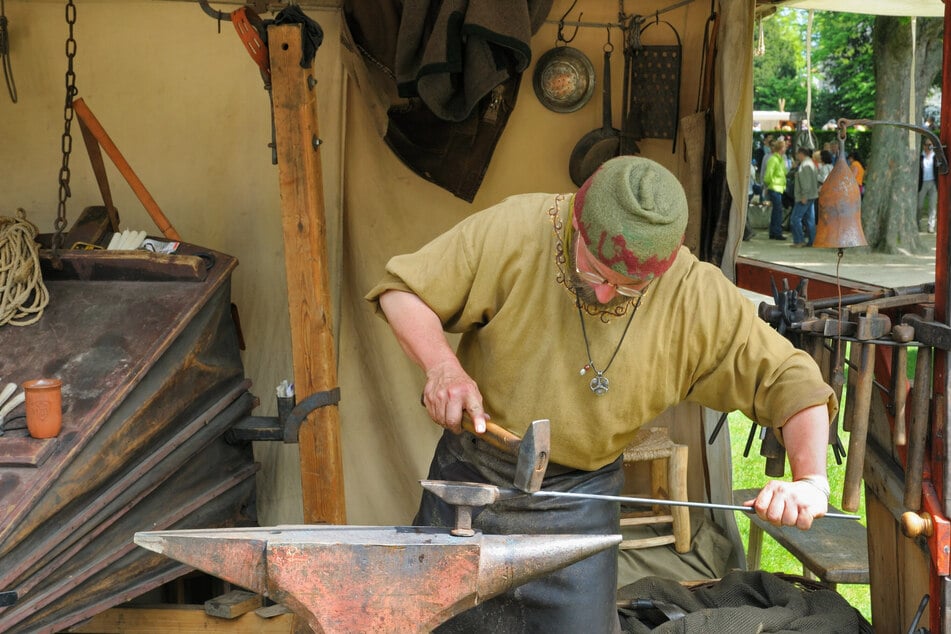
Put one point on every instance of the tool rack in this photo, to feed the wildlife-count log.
(898, 435)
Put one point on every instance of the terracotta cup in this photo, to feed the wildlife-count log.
(44, 407)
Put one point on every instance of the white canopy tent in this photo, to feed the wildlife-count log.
(920, 8)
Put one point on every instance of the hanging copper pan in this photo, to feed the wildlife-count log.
(564, 79)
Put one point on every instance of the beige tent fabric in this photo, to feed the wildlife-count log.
(693, 132)
(734, 111)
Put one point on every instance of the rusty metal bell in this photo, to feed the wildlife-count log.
(839, 221)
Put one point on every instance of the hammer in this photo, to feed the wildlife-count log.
(531, 450)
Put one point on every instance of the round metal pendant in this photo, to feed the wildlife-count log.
(599, 384)
(563, 79)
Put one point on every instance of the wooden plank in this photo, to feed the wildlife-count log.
(884, 479)
(754, 548)
(24, 451)
(89, 228)
(271, 611)
(123, 266)
(94, 576)
(883, 567)
(233, 604)
(914, 566)
(835, 550)
(305, 259)
(181, 618)
(646, 542)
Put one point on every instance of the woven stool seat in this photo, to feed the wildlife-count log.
(668, 477)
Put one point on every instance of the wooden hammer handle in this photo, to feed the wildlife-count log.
(899, 393)
(496, 436)
(918, 429)
(860, 401)
(95, 128)
(499, 437)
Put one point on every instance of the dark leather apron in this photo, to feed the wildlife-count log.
(579, 598)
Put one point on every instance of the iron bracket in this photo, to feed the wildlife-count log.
(286, 425)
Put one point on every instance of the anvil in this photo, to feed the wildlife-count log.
(373, 578)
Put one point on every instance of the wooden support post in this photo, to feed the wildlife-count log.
(305, 258)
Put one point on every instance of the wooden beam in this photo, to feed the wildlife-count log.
(305, 258)
(180, 618)
(233, 604)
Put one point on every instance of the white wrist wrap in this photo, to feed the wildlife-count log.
(818, 482)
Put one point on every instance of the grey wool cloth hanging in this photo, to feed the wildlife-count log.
(758, 602)
(452, 53)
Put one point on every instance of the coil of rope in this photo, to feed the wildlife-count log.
(23, 296)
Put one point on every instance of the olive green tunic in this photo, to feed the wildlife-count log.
(498, 277)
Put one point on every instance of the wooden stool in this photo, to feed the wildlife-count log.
(668, 477)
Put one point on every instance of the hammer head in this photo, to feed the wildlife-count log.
(533, 453)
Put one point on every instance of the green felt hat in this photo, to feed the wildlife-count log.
(632, 213)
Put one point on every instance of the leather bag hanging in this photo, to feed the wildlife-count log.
(655, 86)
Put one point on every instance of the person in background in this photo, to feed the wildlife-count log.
(589, 306)
(761, 165)
(823, 161)
(748, 232)
(774, 184)
(833, 149)
(858, 170)
(823, 165)
(927, 190)
(806, 191)
(788, 154)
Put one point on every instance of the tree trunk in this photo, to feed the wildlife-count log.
(889, 209)
(928, 55)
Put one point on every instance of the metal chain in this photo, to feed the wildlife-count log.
(67, 142)
(5, 55)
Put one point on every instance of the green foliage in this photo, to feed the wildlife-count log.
(843, 60)
(779, 73)
(843, 72)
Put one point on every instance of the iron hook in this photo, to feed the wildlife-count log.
(561, 25)
(218, 15)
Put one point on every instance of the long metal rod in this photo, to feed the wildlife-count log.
(655, 502)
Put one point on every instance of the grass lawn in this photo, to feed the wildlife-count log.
(749, 472)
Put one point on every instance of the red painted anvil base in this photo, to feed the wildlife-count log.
(373, 578)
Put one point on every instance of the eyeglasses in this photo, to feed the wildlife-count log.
(599, 280)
